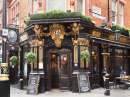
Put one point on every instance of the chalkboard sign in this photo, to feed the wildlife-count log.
(83, 82)
(33, 84)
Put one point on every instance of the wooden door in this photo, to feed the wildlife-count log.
(64, 81)
(48, 71)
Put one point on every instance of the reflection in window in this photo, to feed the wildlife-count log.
(64, 65)
(56, 5)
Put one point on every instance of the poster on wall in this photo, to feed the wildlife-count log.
(83, 82)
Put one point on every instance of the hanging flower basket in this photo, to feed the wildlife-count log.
(14, 61)
(30, 57)
(85, 54)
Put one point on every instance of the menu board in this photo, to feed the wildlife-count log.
(33, 84)
(83, 82)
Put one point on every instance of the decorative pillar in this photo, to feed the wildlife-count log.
(75, 66)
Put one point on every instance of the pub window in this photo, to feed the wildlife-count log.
(114, 12)
(120, 14)
(56, 5)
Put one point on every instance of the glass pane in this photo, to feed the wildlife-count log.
(113, 16)
(114, 6)
(79, 5)
(120, 20)
(35, 6)
(64, 63)
(120, 8)
(56, 5)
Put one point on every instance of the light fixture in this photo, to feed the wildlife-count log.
(117, 34)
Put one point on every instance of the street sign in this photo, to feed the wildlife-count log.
(4, 32)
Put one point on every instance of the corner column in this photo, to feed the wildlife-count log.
(75, 67)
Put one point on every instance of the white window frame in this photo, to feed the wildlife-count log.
(83, 7)
(115, 12)
(47, 5)
(121, 14)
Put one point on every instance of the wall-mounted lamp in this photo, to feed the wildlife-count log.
(117, 35)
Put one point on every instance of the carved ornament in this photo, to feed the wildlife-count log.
(75, 29)
(96, 34)
(124, 40)
(111, 37)
(57, 32)
(84, 41)
(33, 43)
(75, 42)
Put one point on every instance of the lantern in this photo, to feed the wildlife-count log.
(117, 35)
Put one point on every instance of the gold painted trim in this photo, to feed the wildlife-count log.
(84, 41)
(4, 77)
(4, 64)
(96, 34)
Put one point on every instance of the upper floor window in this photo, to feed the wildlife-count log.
(56, 5)
(35, 6)
(114, 12)
(81, 6)
(120, 14)
(13, 23)
(17, 19)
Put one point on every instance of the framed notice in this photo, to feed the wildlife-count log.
(33, 84)
(83, 82)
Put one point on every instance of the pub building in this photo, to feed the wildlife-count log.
(58, 43)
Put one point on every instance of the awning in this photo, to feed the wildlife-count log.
(109, 42)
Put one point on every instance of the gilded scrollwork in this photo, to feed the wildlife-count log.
(33, 43)
(57, 32)
(39, 31)
(96, 34)
(84, 41)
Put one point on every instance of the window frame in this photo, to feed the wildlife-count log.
(115, 13)
(47, 5)
(122, 14)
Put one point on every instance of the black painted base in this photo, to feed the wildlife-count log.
(75, 88)
(41, 88)
(5, 88)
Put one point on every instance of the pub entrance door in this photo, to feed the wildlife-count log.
(58, 73)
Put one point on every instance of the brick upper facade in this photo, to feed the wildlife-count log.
(24, 8)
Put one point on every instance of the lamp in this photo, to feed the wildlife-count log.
(117, 35)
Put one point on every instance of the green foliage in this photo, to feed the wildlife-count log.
(0, 62)
(85, 54)
(58, 14)
(30, 57)
(27, 22)
(123, 30)
(14, 60)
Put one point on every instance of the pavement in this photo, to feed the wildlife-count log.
(56, 93)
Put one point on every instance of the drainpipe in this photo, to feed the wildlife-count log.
(109, 11)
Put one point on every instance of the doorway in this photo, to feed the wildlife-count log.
(59, 67)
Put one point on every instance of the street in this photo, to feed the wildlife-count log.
(94, 93)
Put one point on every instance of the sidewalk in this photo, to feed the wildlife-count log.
(94, 93)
